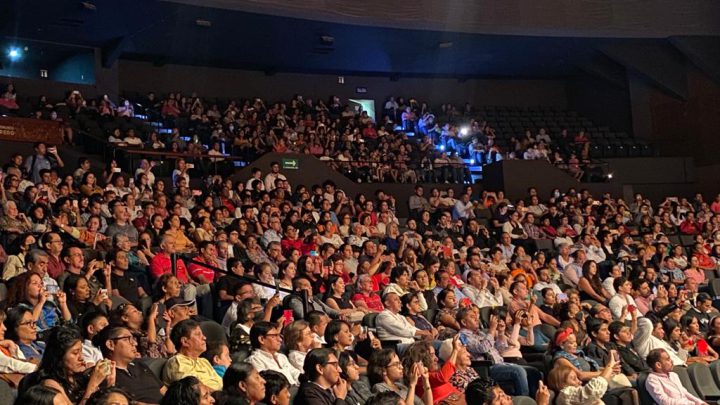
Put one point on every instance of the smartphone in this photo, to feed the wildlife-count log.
(464, 339)
(287, 316)
(313, 253)
(53, 289)
(75, 204)
(190, 165)
(117, 170)
(631, 308)
(562, 297)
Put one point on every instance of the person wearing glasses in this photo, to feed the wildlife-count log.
(190, 342)
(266, 340)
(53, 244)
(385, 373)
(12, 359)
(323, 384)
(119, 345)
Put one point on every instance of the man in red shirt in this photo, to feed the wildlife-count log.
(208, 255)
(366, 297)
(161, 264)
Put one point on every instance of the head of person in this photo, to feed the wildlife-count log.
(276, 388)
(91, 323)
(349, 369)
(392, 302)
(659, 361)
(563, 376)
(565, 339)
(117, 343)
(110, 396)
(422, 352)
(63, 355)
(468, 319)
(188, 390)
(484, 391)
(338, 334)
(242, 380)
(321, 367)
(298, 336)
(188, 338)
(265, 336)
(41, 395)
(318, 322)
(620, 333)
(20, 326)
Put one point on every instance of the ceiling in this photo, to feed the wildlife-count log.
(372, 39)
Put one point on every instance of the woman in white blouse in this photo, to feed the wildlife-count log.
(571, 391)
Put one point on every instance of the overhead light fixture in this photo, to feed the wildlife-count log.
(203, 23)
(14, 54)
(88, 5)
(445, 45)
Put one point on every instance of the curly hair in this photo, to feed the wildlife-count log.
(416, 352)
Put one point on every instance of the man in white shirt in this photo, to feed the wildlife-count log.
(592, 247)
(266, 339)
(391, 325)
(463, 208)
(476, 289)
(273, 175)
(622, 302)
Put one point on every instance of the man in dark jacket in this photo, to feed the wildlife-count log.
(322, 384)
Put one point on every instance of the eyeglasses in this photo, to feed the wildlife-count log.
(396, 364)
(123, 338)
(278, 335)
(28, 323)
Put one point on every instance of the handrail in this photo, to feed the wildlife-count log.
(303, 294)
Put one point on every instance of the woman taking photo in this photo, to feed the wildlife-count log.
(15, 263)
(385, 373)
(29, 291)
(423, 354)
(79, 300)
(89, 186)
(62, 367)
(149, 344)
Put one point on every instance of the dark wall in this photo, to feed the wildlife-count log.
(603, 103)
(213, 82)
(680, 127)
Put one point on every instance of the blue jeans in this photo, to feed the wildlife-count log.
(511, 373)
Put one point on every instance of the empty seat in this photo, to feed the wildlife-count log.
(703, 381)
(682, 372)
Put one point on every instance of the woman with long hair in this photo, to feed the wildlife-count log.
(590, 285)
(15, 263)
(62, 367)
(29, 291)
(422, 354)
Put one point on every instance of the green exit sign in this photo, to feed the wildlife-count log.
(290, 163)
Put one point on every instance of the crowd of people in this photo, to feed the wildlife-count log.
(254, 291)
(409, 143)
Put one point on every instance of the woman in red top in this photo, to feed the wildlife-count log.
(443, 391)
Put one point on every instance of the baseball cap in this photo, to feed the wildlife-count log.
(176, 301)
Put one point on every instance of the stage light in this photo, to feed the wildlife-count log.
(442, 147)
(464, 131)
(610, 176)
(14, 54)
(472, 161)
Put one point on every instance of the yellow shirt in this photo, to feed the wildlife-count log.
(181, 366)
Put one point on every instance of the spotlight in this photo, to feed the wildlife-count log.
(472, 161)
(610, 176)
(14, 54)
(464, 131)
(442, 147)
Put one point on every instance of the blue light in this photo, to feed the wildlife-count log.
(442, 147)
(14, 54)
(472, 161)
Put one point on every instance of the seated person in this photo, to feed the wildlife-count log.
(484, 391)
(266, 341)
(218, 354)
(12, 360)
(119, 345)
(392, 325)
(663, 385)
(90, 325)
(188, 339)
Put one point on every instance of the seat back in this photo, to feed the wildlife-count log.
(645, 397)
(370, 321)
(213, 331)
(156, 366)
(6, 393)
(715, 371)
(703, 381)
(522, 400)
(682, 372)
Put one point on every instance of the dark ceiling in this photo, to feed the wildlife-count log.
(166, 32)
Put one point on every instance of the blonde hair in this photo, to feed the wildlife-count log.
(558, 377)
